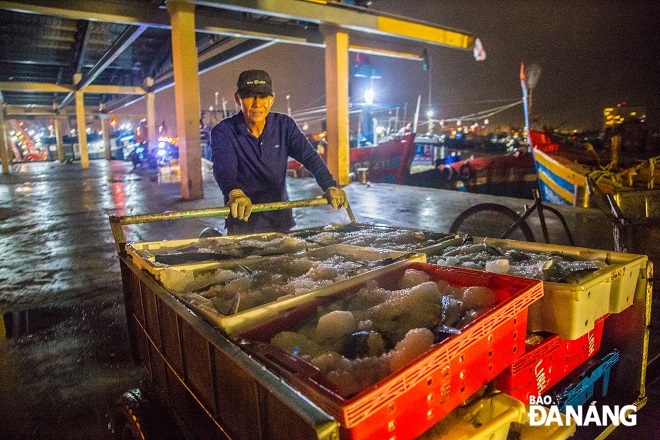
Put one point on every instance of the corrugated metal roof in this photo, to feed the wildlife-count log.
(40, 48)
(122, 42)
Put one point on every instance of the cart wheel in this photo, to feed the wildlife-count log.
(491, 220)
(140, 415)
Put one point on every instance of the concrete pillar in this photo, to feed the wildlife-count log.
(151, 113)
(80, 123)
(186, 97)
(4, 145)
(105, 132)
(336, 92)
(59, 140)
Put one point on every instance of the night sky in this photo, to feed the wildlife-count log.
(592, 55)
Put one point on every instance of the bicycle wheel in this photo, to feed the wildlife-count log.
(491, 220)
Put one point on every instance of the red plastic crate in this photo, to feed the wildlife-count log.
(546, 364)
(408, 402)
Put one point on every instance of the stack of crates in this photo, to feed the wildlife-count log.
(568, 367)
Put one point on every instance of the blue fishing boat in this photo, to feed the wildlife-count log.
(562, 176)
(558, 181)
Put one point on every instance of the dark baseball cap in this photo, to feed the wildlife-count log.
(254, 82)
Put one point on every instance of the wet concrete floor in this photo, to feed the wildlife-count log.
(65, 356)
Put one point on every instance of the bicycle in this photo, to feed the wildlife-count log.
(504, 222)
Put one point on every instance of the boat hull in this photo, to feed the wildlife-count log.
(388, 162)
(558, 183)
(511, 175)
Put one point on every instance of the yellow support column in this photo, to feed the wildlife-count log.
(58, 138)
(336, 92)
(80, 123)
(4, 154)
(151, 113)
(82, 130)
(186, 97)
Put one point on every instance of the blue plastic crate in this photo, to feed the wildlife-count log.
(580, 386)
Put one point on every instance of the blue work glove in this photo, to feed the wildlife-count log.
(336, 197)
(239, 204)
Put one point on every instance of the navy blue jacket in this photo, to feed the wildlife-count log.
(258, 165)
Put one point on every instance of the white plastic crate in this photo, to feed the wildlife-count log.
(144, 254)
(380, 260)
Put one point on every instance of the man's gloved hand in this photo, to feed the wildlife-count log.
(239, 204)
(336, 197)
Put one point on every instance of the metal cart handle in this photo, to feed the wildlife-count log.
(116, 222)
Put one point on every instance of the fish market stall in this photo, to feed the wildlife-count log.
(363, 331)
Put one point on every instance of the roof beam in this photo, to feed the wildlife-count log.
(136, 13)
(141, 14)
(160, 58)
(234, 53)
(213, 23)
(361, 20)
(16, 86)
(21, 86)
(166, 79)
(357, 19)
(376, 45)
(130, 34)
(82, 38)
(16, 112)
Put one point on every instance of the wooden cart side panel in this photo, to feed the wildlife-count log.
(237, 394)
(143, 346)
(195, 421)
(170, 330)
(281, 423)
(158, 367)
(133, 306)
(198, 365)
(150, 313)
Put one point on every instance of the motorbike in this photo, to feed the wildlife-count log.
(163, 153)
(155, 157)
(140, 155)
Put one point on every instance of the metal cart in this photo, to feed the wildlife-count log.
(203, 386)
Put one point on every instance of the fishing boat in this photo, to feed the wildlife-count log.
(512, 174)
(386, 162)
(562, 178)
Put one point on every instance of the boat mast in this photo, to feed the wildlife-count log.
(523, 83)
